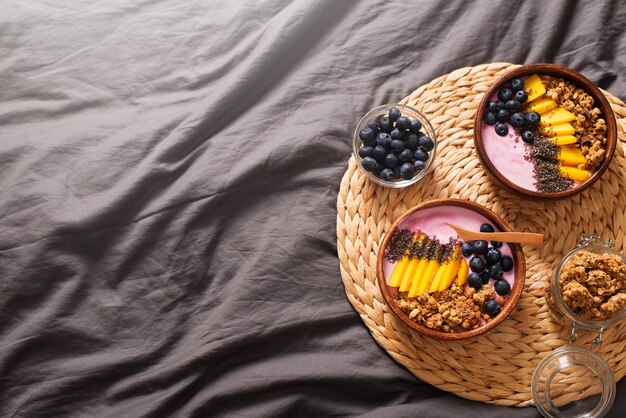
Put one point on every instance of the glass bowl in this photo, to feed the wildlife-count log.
(373, 116)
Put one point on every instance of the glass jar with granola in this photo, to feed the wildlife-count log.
(586, 294)
(588, 290)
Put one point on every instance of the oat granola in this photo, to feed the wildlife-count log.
(456, 309)
(589, 125)
(594, 285)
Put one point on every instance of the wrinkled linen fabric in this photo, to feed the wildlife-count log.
(168, 181)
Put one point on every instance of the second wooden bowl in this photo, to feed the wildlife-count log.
(389, 295)
(552, 70)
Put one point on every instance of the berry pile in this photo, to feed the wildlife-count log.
(394, 147)
(508, 110)
(487, 262)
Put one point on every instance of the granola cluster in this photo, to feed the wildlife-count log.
(589, 125)
(594, 285)
(456, 309)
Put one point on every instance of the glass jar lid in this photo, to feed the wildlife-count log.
(573, 382)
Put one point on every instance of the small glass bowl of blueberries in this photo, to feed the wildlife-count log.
(394, 145)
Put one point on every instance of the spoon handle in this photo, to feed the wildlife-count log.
(512, 237)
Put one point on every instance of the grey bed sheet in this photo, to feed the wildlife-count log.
(168, 180)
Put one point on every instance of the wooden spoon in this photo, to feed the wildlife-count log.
(516, 237)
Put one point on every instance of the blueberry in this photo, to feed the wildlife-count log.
(386, 174)
(496, 244)
(517, 84)
(495, 272)
(533, 118)
(474, 280)
(391, 161)
(383, 139)
(493, 255)
(521, 96)
(397, 145)
(467, 249)
(380, 153)
(503, 116)
(502, 129)
(373, 125)
(377, 169)
(385, 124)
(486, 228)
(492, 308)
(480, 247)
(394, 114)
(368, 163)
(499, 106)
(517, 120)
(505, 94)
(506, 263)
(403, 123)
(405, 156)
(419, 165)
(411, 142)
(490, 118)
(493, 107)
(416, 125)
(485, 277)
(367, 136)
(396, 134)
(421, 155)
(477, 264)
(513, 106)
(366, 152)
(528, 137)
(396, 173)
(426, 143)
(502, 287)
(407, 170)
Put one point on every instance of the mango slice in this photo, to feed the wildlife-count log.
(429, 275)
(534, 87)
(463, 273)
(419, 285)
(452, 271)
(556, 117)
(564, 140)
(574, 173)
(441, 271)
(572, 156)
(398, 272)
(541, 105)
(409, 275)
(557, 130)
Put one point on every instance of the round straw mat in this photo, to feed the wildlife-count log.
(497, 366)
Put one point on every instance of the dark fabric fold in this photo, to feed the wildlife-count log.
(168, 181)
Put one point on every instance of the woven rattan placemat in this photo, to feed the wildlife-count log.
(497, 366)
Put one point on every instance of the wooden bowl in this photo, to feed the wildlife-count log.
(554, 70)
(516, 290)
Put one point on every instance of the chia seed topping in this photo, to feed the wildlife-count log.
(406, 243)
(543, 154)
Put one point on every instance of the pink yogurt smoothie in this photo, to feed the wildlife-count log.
(506, 153)
(434, 222)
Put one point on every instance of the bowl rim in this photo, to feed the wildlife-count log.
(518, 258)
(555, 70)
(426, 125)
